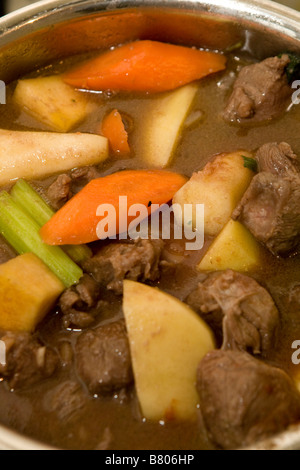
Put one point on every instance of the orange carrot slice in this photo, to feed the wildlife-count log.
(113, 129)
(145, 66)
(76, 222)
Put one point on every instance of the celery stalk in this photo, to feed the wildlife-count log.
(22, 233)
(26, 196)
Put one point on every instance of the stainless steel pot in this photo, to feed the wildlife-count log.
(49, 30)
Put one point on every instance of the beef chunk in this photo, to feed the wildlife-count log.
(77, 303)
(67, 400)
(65, 186)
(85, 174)
(270, 208)
(60, 191)
(28, 361)
(261, 91)
(239, 310)
(278, 159)
(138, 261)
(244, 400)
(103, 358)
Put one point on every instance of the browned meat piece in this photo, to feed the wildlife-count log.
(239, 310)
(28, 361)
(86, 173)
(60, 191)
(82, 176)
(278, 159)
(103, 358)
(77, 302)
(67, 400)
(261, 91)
(88, 290)
(65, 186)
(270, 208)
(243, 400)
(138, 261)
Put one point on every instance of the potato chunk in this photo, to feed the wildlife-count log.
(234, 248)
(167, 341)
(163, 120)
(219, 186)
(52, 102)
(28, 291)
(32, 155)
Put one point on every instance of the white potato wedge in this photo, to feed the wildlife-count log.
(234, 248)
(167, 341)
(160, 130)
(28, 291)
(219, 186)
(52, 102)
(32, 155)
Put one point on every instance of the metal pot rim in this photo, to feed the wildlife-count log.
(264, 12)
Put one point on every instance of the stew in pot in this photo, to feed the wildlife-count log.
(150, 228)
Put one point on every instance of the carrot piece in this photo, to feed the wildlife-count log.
(76, 222)
(113, 129)
(146, 66)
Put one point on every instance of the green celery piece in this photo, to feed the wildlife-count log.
(30, 200)
(78, 253)
(22, 233)
(24, 195)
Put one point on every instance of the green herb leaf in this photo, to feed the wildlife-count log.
(293, 68)
(250, 163)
